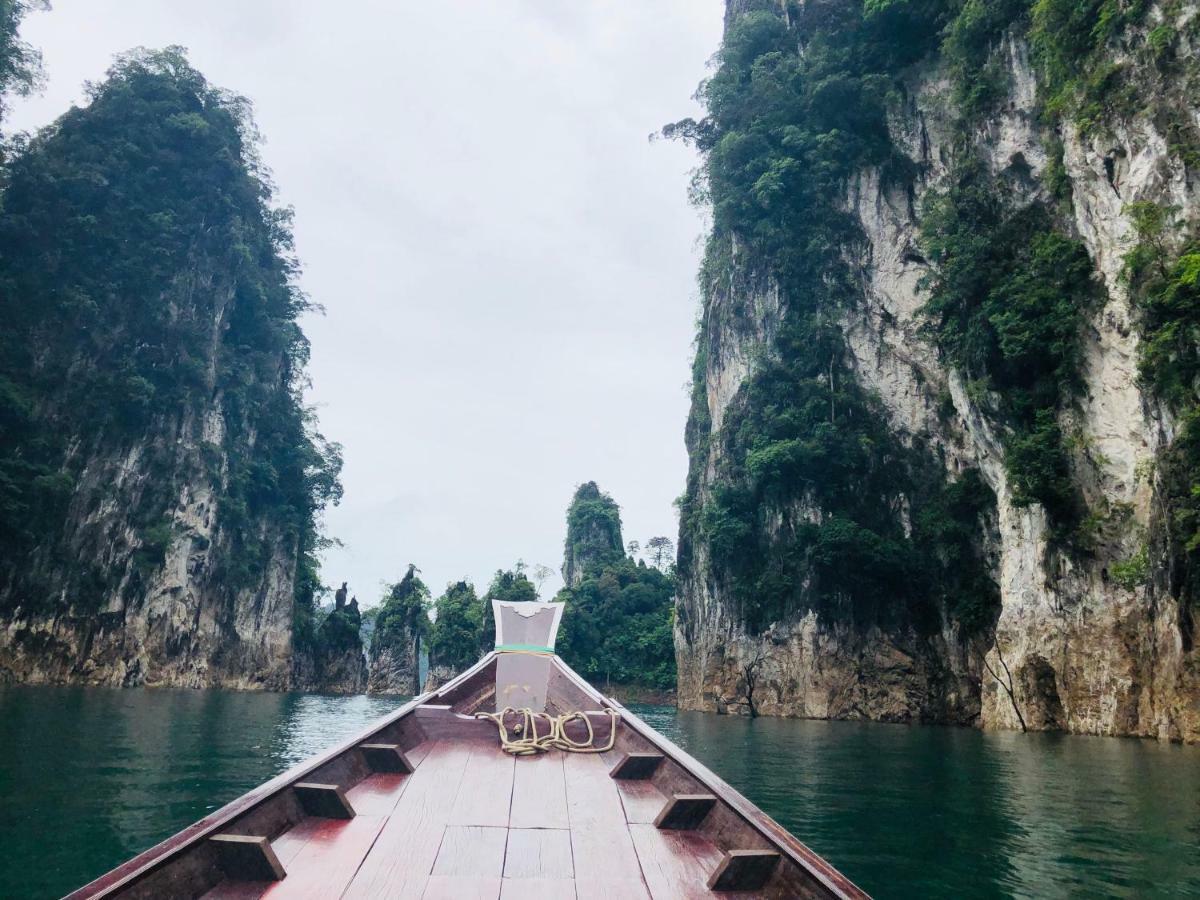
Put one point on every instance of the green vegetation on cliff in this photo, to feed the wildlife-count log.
(787, 125)
(147, 281)
(618, 623)
(403, 617)
(458, 636)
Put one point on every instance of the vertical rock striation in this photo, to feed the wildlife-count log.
(1091, 625)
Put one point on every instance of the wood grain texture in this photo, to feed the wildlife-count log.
(642, 801)
(239, 890)
(327, 862)
(471, 850)
(603, 888)
(402, 859)
(377, 795)
(485, 796)
(675, 864)
(537, 889)
(599, 836)
(461, 887)
(539, 792)
(538, 853)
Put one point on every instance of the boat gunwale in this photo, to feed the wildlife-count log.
(188, 838)
(810, 861)
(132, 870)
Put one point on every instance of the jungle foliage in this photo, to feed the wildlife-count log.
(618, 624)
(145, 275)
(786, 128)
(403, 616)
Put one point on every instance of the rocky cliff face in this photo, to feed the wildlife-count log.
(1092, 629)
(396, 644)
(158, 476)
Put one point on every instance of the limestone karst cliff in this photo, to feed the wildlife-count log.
(159, 475)
(402, 621)
(943, 434)
(593, 532)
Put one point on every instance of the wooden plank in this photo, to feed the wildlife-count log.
(378, 794)
(402, 858)
(538, 853)
(325, 800)
(684, 812)
(246, 858)
(611, 889)
(744, 870)
(539, 797)
(149, 865)
(464, 887)
(637, 765)
(471, 850)
(326, 864)
(642, 801)
(487, 786)
(289, 844)
(676, 864)
(599, 836)
(386, 758)
(538, 889)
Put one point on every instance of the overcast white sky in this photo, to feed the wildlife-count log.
(507, 264)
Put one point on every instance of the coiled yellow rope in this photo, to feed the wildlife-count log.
(555, 737)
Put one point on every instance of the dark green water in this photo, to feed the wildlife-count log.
(88, 777)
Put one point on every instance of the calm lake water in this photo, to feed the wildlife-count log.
(89, 777)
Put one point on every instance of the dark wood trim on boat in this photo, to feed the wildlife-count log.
(326, 801)
(386, 758)
(637, 766)
(245, 858)
(744, 870)
(142, 865)
(684, 812)
(707, 830)
(816, 867)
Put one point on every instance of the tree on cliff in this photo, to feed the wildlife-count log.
(458, 636)
(593, 532)
(20, 64)
(400, 625)
(617, 626)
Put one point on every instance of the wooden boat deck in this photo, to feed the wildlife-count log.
(474, 822)
(426, 804)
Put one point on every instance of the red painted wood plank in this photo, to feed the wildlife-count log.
(676, 864)
(402, 858)
(327, 862)
(471, 850)
(485, 796)
(289, 844)
(537, 889)
(465, 887)
(377, 794)
(539, 792)
(641, 799)
(538, 853)
(600, 838)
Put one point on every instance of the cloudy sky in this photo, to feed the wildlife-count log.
(506, 262)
